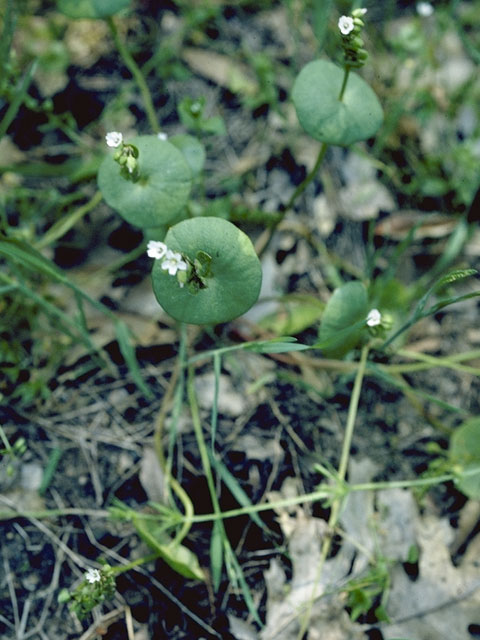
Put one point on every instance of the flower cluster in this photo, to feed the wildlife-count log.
(350, 27)
(97, 586)
(172, 261)
(126, 154)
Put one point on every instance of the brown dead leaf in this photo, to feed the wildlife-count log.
(222, 70)
(430, 225)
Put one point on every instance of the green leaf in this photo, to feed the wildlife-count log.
(161, 191)
(91, 8)
(323, 116)
(216, 553)
(236, 273)
(464, 454)
(192, 149)
(177, 556)
(343, 321)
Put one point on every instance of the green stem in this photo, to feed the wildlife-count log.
(321, 494)
(342, 472)
(202, 447)
(177, 376)
(298, 191)
(137, 74)
(344, 83)
(65, 223)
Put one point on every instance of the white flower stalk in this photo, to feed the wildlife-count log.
(374, 318)
(173, 262)
(346, 25)
(92, 575)
(114, 139)
(424, 9)
(156, 250)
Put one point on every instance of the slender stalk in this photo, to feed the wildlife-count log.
(342, 472)
(65, 223)
(344, 83)
(264, 242)
(321, 494)
(177, 377)
(137, 75)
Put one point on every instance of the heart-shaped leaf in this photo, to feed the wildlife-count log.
(344, 320)
(234, 272)
(464, 454)
(159, 194)
(323, 116)
(192, 149)
(91, 8)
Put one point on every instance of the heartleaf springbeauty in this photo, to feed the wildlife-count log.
(233, 279)
(344, 320)
(91, 8)
(161, 191)
(316, 92)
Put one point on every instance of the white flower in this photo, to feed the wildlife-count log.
(156, 249)
(162, 135)
(374, 318)
(114, 138)
(173, 262)
(346, 25)
(424, 9)
(92, 575)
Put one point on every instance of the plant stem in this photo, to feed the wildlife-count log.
(344, 83)
(342, 472)
(177, 376)
(65, 223)
(137, 74)
(264, 242)
(321, 494)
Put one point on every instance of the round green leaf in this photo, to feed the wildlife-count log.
(464, 454)
(161, 190)
(315, 96)
(192, 149)
(91, 8)
(235, 272)
(344, 320)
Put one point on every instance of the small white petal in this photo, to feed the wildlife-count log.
(156, 249)
(346, 25)
(92, 575)
(374, 318)
(173, 262)
(362, 12)
(114, 139)
(162, 136)
(424, 9)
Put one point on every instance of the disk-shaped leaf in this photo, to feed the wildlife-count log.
(161, 190)
(464, 455)
(343, 320)
(91, 8)
(193, 151)
(316, 97)
(235, 272)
